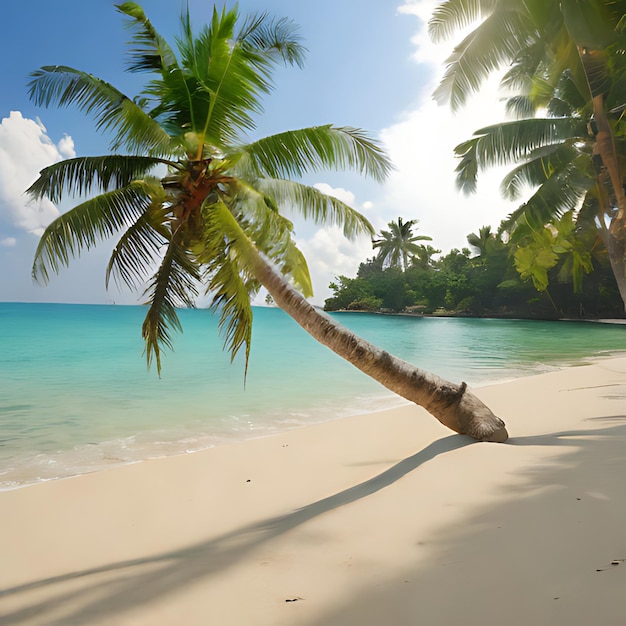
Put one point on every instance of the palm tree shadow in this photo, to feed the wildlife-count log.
(552, 517)
(117, 587)
(564, 437)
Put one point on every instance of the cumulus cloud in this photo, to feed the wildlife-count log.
(25, 149)
(336, 192)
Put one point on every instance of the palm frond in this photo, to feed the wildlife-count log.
(151, 52)
(132, 127)
(541, 164)
(453, 15)
(510, 142)
(527, 64)
(84, 174)
(85, 225)
(138, 250)
(225, 76)
(316, 206)
(521, 107)
(272, 233)
(228, 275)
(563, 191)
(294, 153)
(495, 42)
(278, 38)
(173, 285)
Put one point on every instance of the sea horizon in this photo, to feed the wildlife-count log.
(78, 397)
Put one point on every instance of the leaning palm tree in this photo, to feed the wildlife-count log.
(397, 245)
(198, 207)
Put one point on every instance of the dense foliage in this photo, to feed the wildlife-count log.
(484, 283)
(564, 79)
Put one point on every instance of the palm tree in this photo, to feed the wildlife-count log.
(482, 242)
(568, 57)
(397, 245)
(213, 219)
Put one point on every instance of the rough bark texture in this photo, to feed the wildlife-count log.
(617, 257)
(451, 404)
(615, 239)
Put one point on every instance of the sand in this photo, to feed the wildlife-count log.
(382, 519)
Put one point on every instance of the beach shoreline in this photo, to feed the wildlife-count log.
(383, 518)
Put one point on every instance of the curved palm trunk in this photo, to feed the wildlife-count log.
(617, 258)
(615, 239)
(451, 404)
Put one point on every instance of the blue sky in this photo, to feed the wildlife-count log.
(369, 67)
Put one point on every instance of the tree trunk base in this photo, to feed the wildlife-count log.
(465, 414)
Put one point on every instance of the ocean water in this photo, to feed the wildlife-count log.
(76, 395)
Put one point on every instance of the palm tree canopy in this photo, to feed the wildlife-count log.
(191, 227)
(536, 40)
(398, 244)
(567, 68)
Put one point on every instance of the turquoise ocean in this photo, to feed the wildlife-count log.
(76, 395)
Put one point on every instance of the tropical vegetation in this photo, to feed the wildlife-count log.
(496, 276)
(566, 84)
(398, 244)
(196, 206)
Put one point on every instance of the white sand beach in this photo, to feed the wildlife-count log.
(381, 519)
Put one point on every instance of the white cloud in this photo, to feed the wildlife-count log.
(336, 192)
(66, 147)
(8, 242)
(25, 149)
(421, 146)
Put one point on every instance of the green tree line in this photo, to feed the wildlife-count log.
(498, 275)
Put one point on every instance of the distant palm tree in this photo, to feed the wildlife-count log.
(213, 219)
(425, 256)
(482, 241)
(397, 245)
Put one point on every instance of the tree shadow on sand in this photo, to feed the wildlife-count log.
(549, 551)
(100, 593)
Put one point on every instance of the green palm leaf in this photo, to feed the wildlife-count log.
(83, 175)
(494, 42)
(229, 277)
(272, 234)
(312, 204)
(294, 153)
(137, 251)
(173, 285)
(112, 110)
(510, 142)
(278, 38)
(85, 225)
(542, 164)
(453, 15)
(562, 191)
(151, 51)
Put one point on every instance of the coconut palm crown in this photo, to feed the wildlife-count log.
(397, 245)
(186, 190)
